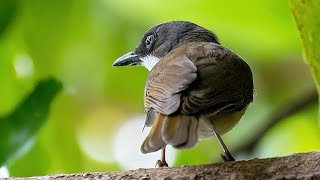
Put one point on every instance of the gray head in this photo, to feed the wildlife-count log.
(161, 39)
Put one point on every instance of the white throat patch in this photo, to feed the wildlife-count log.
(149, 61)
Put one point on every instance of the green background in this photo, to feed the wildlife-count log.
(95, 122)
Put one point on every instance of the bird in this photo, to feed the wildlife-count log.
(196, 88)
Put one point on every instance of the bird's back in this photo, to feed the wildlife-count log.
(224, 80)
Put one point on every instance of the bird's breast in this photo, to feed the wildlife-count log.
(222, 122)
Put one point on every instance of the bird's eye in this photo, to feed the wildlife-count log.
(149, 41)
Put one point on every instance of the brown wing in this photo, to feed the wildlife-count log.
(165, 83)
(224, 81)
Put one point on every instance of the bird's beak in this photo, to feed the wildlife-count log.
(129, 59)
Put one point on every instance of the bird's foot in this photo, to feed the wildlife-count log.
(227, 157)
(160, 164)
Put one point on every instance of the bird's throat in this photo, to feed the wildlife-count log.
(149, 61)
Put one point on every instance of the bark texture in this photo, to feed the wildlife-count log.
(296, 166)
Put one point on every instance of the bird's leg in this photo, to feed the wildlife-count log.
(162, 162)
(227, 155)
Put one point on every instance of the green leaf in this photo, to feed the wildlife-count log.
(18, 128)
(306, 14)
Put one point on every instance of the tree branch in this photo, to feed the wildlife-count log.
(297, 166)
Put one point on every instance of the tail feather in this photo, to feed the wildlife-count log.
(175, 130)
(192, 135)
(154, 141)
(180, 131)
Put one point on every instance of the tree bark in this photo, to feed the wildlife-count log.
(296, 166)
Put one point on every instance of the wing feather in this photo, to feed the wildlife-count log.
(166, 82)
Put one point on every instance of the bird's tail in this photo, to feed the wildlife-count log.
(180, 131)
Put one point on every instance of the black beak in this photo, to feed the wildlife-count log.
(129, 59)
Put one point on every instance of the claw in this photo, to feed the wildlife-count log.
(227, 157)
(160, 164)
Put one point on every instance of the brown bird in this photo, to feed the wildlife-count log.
(196, 88)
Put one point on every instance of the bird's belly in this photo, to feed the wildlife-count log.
(221, 122)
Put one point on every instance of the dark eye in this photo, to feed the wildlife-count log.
(149, 41)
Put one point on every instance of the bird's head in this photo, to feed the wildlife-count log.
(161, 39)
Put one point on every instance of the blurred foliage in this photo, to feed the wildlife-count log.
(306, 14)
(7, 12)
(77, 42)
(18, 128)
